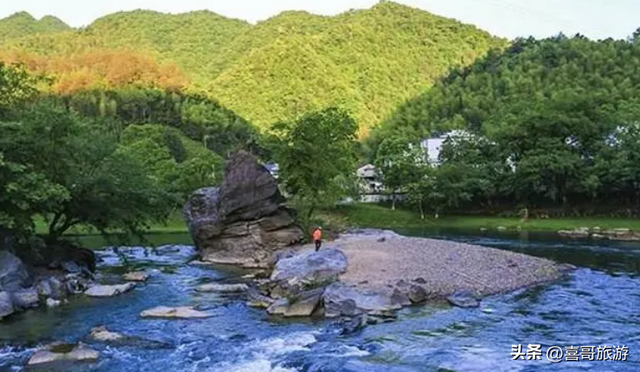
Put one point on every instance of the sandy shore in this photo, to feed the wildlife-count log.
(444, 266)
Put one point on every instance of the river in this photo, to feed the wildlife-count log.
(598, 304)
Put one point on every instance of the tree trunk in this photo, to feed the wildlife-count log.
(421, 211)
(393, 201)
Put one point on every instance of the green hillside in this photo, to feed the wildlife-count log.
(559, 74)
(366, 61)
(23, 24)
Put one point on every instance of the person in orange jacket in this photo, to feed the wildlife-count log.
(317, 237)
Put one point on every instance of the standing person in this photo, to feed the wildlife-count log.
(317, 237)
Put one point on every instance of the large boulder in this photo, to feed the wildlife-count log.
(307, 270)
(13, 274)
(6, 305)
(26, 298)
(243, 221)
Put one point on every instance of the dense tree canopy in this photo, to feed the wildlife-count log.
(91, 158)
(316, 153)
(558, 120)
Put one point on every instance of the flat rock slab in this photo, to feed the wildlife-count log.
(102, 334)
(222, 288)
(109, 290)
(183, 312)
(442, 267)
(136, 276)
(61, 352)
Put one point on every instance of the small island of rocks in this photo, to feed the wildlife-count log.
(362, 273)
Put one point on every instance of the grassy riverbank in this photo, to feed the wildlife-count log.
(376, 216)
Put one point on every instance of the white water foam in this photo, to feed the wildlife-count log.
(352, 351)
(266, 351)
(260, 365)
(9, 353)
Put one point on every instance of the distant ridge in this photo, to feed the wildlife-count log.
(367, 61)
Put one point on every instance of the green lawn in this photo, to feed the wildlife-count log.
(376, 216)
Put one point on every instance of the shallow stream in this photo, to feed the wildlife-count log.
(598, 304)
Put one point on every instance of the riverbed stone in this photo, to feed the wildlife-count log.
(182, 312)
(62, 352)
(109, 290)
(13, 273)
(26, 298)
(6, 305)
(70, 267)
(222, 288)
(279, 307)
(304, 304)
(50, 302)
(104, 335)
(244, 221)
(341, 299)
(257, 299)
(136, 276)
(464, 299)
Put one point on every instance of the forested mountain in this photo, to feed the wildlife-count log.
(366, 61)
(570, 75)
(23, 24)
(555, 122)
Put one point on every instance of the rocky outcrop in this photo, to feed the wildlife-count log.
(183, 312)
(13, 273)
(109, 290)
(19, 290)
(62, 352)
(243, 221)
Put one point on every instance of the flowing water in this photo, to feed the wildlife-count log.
(598, 304)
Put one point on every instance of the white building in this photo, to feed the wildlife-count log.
(370, 179)
(433, 146)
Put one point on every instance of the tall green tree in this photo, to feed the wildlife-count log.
(314, 153)
(397, 160)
